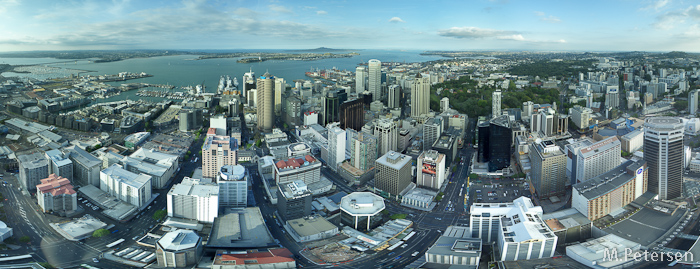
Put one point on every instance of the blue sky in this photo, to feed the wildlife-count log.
(616, 25)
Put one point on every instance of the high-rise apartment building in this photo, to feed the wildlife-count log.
(363, 150)
(496, 104)
(129, 187)
(265, 102)
(375, 79)
(528, 108)
(86, 167)
(394, 100)
(33, 168)
(592, 160)
(431, 170)
(548, 173)
(336, 146)
(360, 77)
(420, 96)
(59, 164)
(195, 200)
(352, 114)
(233, 186)
(387, 133)
(218, 151)
(393, 173)
(280, 87)
(663, 152)
(432, 129)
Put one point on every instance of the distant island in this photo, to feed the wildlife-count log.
(99, 56)
(320, 49)
(252, 57)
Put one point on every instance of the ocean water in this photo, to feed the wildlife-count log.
(183, 70)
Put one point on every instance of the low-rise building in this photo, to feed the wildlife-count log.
(361, 210)
(160, 166)
(253, 259)
(179, 248)
(5, 232)
(632, 141)
(455, 247)
(311, 228)
(56, 194)
(596, 252)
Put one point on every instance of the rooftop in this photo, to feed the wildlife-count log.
(294, 163)
(179, 240)
(603, 145)
(311, 225)
(55, 185)
(81, 156)
(394, 160)
(595, 250)
(611, 180)
(664, 123)
(120, 174)
(232, 173)
(251, 257)
(240, 228)
(194, 188)
(362, 204)
(213, 141)
(57, 157)
(32, 160)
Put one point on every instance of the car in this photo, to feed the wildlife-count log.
(95, 260)
(80, 198)
(399, 257)
(392, 253)
(4, 255)
(415, 254)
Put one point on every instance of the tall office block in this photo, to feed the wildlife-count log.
(193, 199)
(663, 152)
(431, 170)
(496, 104)
(293, 200)
(265, 102)
(360, 77)
(444, 104)
(336, 146)
(394, 100)
(86, 167)
(280, 87)
(59, 164)
(693, 102)
(363, 150)
(233, 186)
(393, 173)
(352, 114)
(248, 83)
(548, 173)
(375, 79)
(432, 129)
(388, 135)
(330, 107)
(499, 144)
(612, 97)
(218, 151)
(420, 96)
(528, 108)
(33, 168)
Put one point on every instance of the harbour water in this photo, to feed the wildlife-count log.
(183, 70)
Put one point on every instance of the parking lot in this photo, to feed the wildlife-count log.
(498, 191)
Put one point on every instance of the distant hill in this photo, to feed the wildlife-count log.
(320, 49)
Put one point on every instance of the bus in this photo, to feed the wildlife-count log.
(113, 244)
(395, 246)
(13, 258)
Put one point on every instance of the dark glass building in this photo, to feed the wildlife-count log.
(352, 115)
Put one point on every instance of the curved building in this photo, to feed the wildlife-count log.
(266, 102)
(663, 151)
(179, 248)
(233, 186)
(360, 209)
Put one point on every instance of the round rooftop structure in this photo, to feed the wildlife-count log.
(232, 172)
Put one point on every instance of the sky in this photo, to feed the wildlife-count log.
(570, 25)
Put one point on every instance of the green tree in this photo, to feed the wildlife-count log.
(681, 105)
(160, 214)
(398, 216)
(25, 239)
(258, 143)
(100, 233)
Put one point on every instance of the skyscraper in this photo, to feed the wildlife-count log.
(360, 77)
(363, 150)
(496, 104)
(266, 102)
(336, 146)
(218, 151)
(663, 152)
(352, 114)
(388, 135)
(393, 172)
(693, 102)
(280, 87)
(394, 100)
(330, 107)
(548, 173)
(375, 79)
(420, 96)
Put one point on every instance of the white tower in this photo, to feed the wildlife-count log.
(360, 77)
(496, 104)
(375, 79)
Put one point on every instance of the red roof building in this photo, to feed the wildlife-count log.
(273, 258)
(56, 193)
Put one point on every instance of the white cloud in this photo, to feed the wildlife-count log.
(512, 37)
(6, 4)
(396, 19)
(693, 12)
(475, 32)
(545, 18)
(321, 12)
(280, 9)
(656, 5)
(669, 20)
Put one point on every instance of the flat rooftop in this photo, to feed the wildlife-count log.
(645, 226)
(311, 225)
(179, 240)
(394, 160)
(79, 228)
(611, 180)
(362, 204)
(240, 228)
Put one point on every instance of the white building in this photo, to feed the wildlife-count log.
(126, 186)
(663, 151)
(420, 97)
(581, 116)
(336, 146)
(5, 232)
(360, 77)
(56, 194)
(444, 104)
(485, 217)
(218, 122)
(496, 104)
(193, 199)
(595, 253)
(455, 247)
(233, 186)
(86, 167)
(523, 235)
(59, 164)
(387, 134)
(160, 166)
(432, 129)
(632, 141)
(375, 79)
(596, 159)
(431, 170)
(693, 102)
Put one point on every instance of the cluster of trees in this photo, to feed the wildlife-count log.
(548, 68)
(467, 98)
